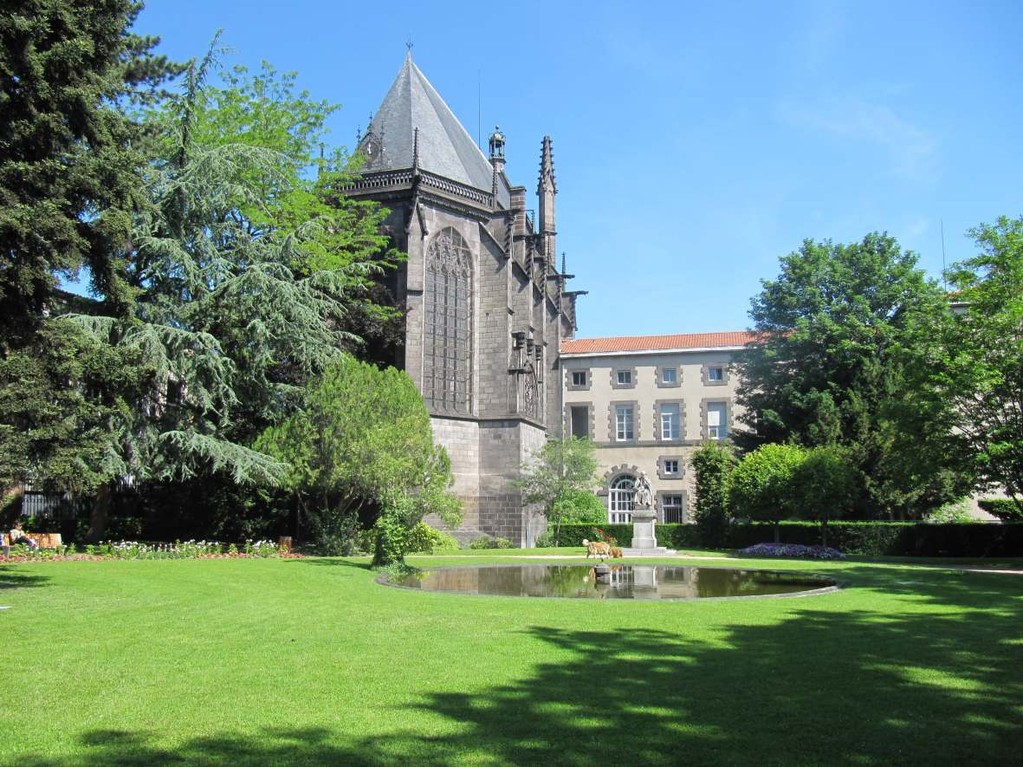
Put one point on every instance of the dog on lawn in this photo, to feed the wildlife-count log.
(597, 548)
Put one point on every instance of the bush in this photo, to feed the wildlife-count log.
(580, 507)
(1006, 509)
(486, 542)
(951, 513)
(423, 538)
(762, 485)
(712, 463)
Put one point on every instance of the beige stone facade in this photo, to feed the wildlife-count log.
(647, 402)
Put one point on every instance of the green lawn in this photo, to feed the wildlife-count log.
(264, 662)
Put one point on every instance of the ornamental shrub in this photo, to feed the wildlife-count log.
(712, 463)
(488, 542)
(423, 538)
(762, 485)
(1006, 509)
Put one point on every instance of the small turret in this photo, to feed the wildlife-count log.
(497, 149)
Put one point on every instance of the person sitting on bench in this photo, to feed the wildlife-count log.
(18, 536)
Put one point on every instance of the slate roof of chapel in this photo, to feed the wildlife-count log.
(445, 147)
(679, 341)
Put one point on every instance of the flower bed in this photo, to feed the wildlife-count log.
(138, 550)
(791, 550)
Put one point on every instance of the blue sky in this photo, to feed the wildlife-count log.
(695, 143)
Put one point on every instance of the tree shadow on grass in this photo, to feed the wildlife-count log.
(14, 577)
(330, 562)
(948, 587)
(855, 689)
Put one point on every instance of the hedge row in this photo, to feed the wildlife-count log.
(907, 539)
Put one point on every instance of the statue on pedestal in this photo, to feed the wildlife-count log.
(642, 494)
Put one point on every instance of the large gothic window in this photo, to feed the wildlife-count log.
(447, 309)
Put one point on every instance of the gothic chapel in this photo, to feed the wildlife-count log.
(486, 307)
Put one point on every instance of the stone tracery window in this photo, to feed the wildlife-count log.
(447, 345)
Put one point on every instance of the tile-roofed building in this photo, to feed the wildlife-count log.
(735, 339)
(647, 402)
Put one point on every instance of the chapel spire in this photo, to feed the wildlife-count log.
(545, 191)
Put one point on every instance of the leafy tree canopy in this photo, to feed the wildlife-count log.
(361, 444)
(837, 332)
(982, 353)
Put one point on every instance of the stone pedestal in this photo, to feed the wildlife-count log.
(643, 529)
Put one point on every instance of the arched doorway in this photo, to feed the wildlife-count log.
(620, 499)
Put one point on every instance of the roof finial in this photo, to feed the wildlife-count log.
(410, 45)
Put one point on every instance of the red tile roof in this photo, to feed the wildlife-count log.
(727, 339)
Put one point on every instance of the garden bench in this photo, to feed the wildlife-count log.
(45, 541)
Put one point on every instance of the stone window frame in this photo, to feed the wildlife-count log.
(705, 428)
(663, 474)
(591, 421)
(681, 420)
(659, 375)
(684, 504)
(632, 375)
(570, 385)
(612, 421)
(449, 280)
(705, 373)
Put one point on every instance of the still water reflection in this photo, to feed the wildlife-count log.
(621, 582)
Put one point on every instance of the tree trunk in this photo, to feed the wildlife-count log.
(99, 516)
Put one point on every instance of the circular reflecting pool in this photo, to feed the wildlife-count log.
(613, 581)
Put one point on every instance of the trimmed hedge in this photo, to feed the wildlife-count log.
(867, 538)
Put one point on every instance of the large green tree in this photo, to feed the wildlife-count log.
(235, 282)
(555, 473)
(982, 353)
(360, 449)
(69, 154)
(838, 333)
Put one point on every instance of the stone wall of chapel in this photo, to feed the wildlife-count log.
(496, 388)
(504, 447)
(461, 439)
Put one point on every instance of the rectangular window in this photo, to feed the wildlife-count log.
(670, 466)
(623, 423)
(578, 378)
(715, 373)
(717, 423)
(670, 421)
(624, 377)
(669, 375)
(580, 421)
(671, 509)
